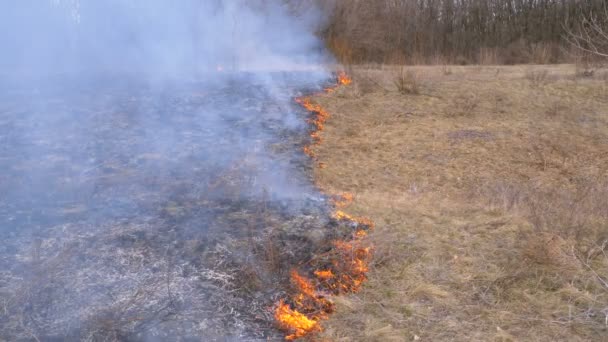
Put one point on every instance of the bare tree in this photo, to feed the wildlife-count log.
(591, 36)
(461, 31)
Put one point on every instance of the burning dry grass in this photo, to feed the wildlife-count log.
(171, 246)
(490, 193)
(342, 269)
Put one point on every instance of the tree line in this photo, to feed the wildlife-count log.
(455, 31)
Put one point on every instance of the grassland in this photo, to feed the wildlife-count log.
(489, 188)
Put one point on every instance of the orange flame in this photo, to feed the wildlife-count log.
(309, 152)
(297, 324)
(320, 115)
(343, 78)
(344, 200)
(324, 275)
(353, 261)
(349, 259)
(339, 215)
(305, 286)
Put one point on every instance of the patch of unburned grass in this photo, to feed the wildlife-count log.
(490, 194)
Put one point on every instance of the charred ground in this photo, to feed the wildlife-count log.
(142, 212)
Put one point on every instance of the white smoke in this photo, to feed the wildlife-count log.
(121, 141)
(156, 37)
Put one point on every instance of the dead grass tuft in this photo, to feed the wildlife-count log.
(447, 70)
(551, 249)
(537, 78)
(406, 82)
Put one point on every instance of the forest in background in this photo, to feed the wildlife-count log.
(456, 31)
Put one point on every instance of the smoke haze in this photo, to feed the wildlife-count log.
(152, 167)
(159, 38)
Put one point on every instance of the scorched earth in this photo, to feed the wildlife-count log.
(154, 211)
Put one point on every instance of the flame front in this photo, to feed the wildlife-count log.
(324, 275)
(297, 324)
(343, 78)
(347, 263)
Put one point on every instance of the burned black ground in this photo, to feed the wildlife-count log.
(133, 211)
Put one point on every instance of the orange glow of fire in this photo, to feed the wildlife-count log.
(343, 200)
(339, 215)
(297, 324)
(316, 137)
(343, 78)
(309, 152)
(324, 275)
(347, 266)
(320, 115)
(304, 285)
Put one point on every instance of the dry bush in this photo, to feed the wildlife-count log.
(464, 105)
(564, 255)
(362, 85)
(590, 35)
(366, 85)
(446, 70)
(407, 82)
(576, 212)
(537, 78)
(584, 70)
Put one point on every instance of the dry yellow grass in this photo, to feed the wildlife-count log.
(489, 187)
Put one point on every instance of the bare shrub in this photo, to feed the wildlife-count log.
(591, 35)
(584, 68)
(446, 70)
(464, 105)
(537, 78)
(406, 82)
(575, 211)
(366, 85)
(551, 249)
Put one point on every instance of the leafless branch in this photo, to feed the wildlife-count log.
(591, 36)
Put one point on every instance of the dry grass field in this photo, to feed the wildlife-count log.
(489, 188)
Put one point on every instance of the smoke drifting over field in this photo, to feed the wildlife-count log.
(153, 184)
(159, 38)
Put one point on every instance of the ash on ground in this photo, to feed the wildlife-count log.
(154, 212)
